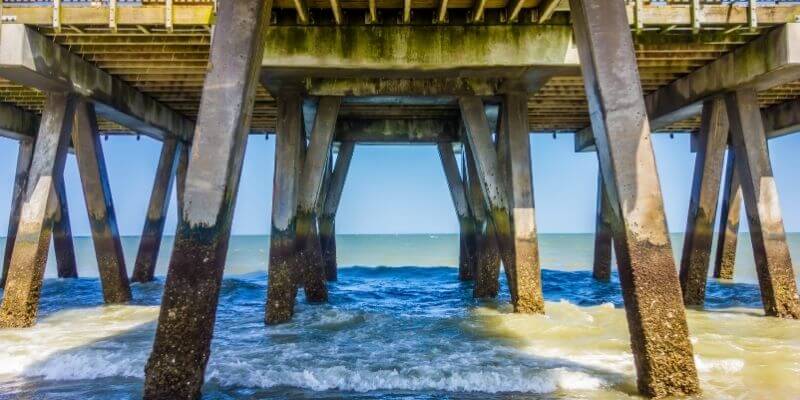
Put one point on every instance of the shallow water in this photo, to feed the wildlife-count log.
(398, 332)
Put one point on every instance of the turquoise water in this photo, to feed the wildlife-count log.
(399, 325)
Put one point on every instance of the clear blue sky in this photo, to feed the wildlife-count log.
(401, 189)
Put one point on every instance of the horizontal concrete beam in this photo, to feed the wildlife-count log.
(782, 119)
(779, 120)
(767, 61)
(522, 52)
(31, 59)
(16, 123)
(770, 60)
(400, 87)
(383, 131)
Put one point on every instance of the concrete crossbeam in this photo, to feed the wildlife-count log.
(29, 58)
(16, 123)
(767, 61)
(519, 51)
(434, 130)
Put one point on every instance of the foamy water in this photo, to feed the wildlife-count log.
(399, 332)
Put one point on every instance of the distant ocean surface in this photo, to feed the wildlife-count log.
(399, 325)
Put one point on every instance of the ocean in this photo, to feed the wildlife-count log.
(399, 325)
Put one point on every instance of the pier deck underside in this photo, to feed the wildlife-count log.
(167, 57)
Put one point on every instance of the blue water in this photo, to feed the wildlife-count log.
(398, 332)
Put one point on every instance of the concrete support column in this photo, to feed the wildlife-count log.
(150, 243)
(521, 257)
(773, 262)
(728, 235)
(180, 353)
(180, 175)
(487, 253)
(62, 236)
(330, 205)
(465, 221)
(603, 234)
(311, 181)
(39, 208)
(285, 270)
(24, 157)
(703, 202)
(650, 286)
(102, 218)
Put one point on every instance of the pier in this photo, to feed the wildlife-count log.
(472, 78)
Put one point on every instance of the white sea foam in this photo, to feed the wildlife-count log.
(487, 380)
(725, 365)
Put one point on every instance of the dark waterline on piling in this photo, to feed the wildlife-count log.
(394, 332)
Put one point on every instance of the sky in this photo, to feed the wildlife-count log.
(402, 189)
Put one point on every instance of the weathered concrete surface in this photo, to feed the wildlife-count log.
(18, 124)
(465, 221)
(728, 234)
(100, 206)
(177, 364)
(24, 157)
(487, 253)
(773, 261)
(150, 242)
(782, 118)
(416, 130)
(63, 245)
(311, 180)
(514, 158)
(32, 59)
(285, 271)
(404, 51)
(489, 176)
(713, 139)
(330, 205)
(29, 257)
(767, 61)
(452, 86)
(603, 234)
(650, 286)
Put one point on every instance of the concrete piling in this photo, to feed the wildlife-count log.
(100, 206)
(514, 157)
(465, 221)
(487, 254)
(309, 196)
(773, 262)
(150, 242)
(330, 205)
(728, 235)
(29, 256)
(24, 157)
(285, 272)
(713, 138)
(63, 245)
(603, 234)
(176, 366)
(656, 318)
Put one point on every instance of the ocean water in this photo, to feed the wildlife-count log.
(399, 325)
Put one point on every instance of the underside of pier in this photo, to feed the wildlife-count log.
(472, 77)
